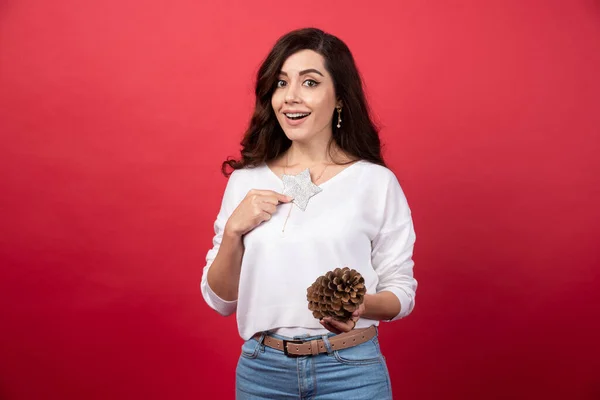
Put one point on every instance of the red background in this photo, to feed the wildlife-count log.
(115, 116)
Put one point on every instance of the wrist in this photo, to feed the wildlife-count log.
(230, 233)
(381, 306)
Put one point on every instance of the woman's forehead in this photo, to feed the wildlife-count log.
(303, 60)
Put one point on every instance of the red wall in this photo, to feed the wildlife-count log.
(115, 116)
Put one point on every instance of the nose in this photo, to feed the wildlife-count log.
(291, 94)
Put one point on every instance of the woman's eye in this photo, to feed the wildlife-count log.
(311, 83)
(281, 83)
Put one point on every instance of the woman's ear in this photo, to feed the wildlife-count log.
(339, 104)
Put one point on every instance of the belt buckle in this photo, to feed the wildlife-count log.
(285, 350)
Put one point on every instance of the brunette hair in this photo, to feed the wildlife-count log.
(264, 140)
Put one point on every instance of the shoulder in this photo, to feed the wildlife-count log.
(242, 180)
(386, 195)
(377, 174)
(247, 173)
(382, 182)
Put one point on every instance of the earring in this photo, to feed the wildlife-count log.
(339, 110)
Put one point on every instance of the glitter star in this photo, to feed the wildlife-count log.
(300, 187)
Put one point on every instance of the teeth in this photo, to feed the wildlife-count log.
(296, 115)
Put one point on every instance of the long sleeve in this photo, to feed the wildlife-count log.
(228, 204)
(392, 250)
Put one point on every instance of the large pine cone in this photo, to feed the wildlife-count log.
(336, 294)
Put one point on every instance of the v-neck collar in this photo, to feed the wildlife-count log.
(322, 184)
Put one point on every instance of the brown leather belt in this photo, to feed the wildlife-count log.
(296, 348)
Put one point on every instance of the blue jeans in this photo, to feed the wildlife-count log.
(355, 373)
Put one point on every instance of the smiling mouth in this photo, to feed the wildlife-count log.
(296, 116)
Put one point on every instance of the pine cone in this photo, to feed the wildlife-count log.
(336, 294)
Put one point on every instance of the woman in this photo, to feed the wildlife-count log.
(310, 193)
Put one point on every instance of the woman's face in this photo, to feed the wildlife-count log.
(304, 98)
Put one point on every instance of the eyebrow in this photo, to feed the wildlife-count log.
(304, 72)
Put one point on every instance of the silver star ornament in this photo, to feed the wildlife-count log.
(300, 187)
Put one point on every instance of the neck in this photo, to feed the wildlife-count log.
(310, 153)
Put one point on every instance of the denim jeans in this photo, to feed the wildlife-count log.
(356, 373)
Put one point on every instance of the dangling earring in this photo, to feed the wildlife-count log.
(339, 110)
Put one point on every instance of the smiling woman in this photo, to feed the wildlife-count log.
(311, 147)
(309, 72)
(316, 90)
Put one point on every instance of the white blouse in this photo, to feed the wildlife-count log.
(360, 220)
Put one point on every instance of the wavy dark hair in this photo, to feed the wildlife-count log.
(264, 140)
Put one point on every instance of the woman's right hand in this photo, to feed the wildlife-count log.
(257, 207)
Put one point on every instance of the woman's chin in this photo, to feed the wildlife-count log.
(297, 135)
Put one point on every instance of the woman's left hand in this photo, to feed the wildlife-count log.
(336, 326)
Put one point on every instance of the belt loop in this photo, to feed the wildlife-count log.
(327, 344)
(261, 340)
